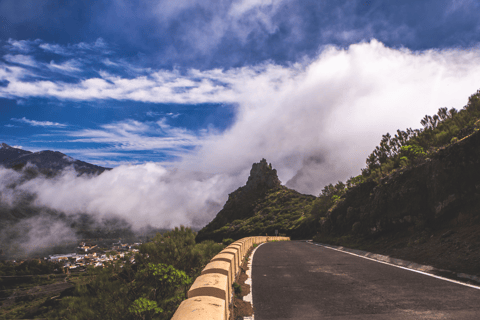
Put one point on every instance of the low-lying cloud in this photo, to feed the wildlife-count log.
(34, 235)
(147, 194)
(316, 122)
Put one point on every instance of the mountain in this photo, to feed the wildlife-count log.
(426, 212)
(260, 207)
(46, 161)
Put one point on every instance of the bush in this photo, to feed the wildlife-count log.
(237, 288)
(227, 241)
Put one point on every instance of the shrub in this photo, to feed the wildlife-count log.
(227, 241)
(237, 288)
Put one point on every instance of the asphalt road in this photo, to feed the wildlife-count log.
(296, 280)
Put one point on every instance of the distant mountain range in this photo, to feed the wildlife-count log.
(46, 161)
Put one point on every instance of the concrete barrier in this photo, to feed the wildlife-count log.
(241, 247)
(236, 254)
(210, 295)
(230, 258)
(224, 268)
(203, 307)
(211, 285)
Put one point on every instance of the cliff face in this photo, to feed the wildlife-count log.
(241, 202)
(444, 188)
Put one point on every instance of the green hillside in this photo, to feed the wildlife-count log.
(418, 198)
(260, 207)
(281, 209)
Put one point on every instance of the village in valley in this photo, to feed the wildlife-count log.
(89, 254)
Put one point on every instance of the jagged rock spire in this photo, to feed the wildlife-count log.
(262, 176)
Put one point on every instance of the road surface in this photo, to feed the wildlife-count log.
(297, 280)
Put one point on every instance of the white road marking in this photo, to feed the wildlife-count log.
(394, 265)
(248, 297)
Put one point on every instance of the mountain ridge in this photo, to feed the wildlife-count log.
(48, 161)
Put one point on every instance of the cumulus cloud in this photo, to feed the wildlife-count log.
(327, 113)
(318, 123)
(315, 122)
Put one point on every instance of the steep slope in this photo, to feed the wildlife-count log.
(8, 153)
(429, 194)
(262, 206)
(429, 213)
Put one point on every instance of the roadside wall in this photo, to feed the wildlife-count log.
(211, 294)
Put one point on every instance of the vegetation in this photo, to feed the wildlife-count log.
(150, 288)
(280, 209)
(411, 147)
(301, 216)
(237, 288)
(406, 149)
(29, 267)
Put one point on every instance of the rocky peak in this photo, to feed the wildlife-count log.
(262, 176)
(5, 146)
(241, 203)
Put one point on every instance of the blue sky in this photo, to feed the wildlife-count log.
(213, 86)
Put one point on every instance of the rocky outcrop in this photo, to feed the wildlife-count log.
(262, 177)
(443, 189)
(240, 203)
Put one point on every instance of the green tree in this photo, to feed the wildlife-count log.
(144, 309)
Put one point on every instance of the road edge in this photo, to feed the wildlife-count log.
(407, 265)
(249, 297)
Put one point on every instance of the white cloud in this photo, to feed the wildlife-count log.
(458, 5)
(55, 48)
(20, 45)
(173, 115)
(108, 62)
(134, 135)
(99, 45)
(9, 195)
(236, 18)
(327, 117)
(71, 49)
(67, 66)
(317, 121)
(142, 194)
(34, 235)
(153, 114)
(36, 123)
(21, 59)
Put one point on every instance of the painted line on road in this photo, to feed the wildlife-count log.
(249, 297)
(394, 265)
